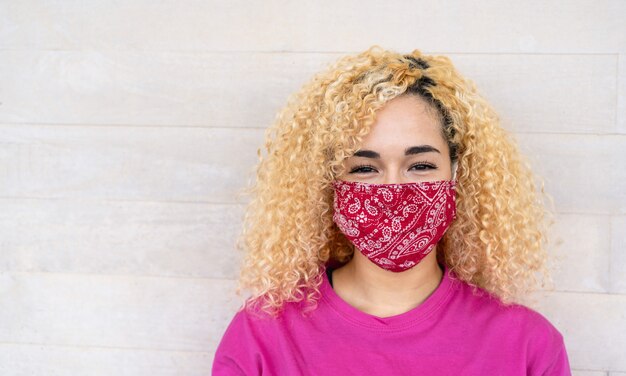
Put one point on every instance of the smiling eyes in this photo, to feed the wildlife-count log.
(364, 169)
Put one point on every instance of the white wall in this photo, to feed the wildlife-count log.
(126, 128)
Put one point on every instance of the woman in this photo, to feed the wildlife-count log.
(392, 228)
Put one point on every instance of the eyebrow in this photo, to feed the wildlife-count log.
(408, 151)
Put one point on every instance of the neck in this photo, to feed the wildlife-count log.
(382, 293)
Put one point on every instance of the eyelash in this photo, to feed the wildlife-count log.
(356, 169)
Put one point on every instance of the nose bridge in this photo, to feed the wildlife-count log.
(394, 174)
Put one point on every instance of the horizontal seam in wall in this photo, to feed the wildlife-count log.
(95, 199)
(569, 292)
(235, 280)
(93, 125)
(103, 347)
(104, 275)
(231, 203)
(174, 126)
(301, 52)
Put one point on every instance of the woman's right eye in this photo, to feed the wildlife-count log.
(362, 169)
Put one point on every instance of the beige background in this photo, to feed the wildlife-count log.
(127, 127)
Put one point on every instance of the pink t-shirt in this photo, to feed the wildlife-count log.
(453, 332)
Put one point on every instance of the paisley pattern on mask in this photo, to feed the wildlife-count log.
(394, 225)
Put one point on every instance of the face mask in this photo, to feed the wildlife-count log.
(394, 225)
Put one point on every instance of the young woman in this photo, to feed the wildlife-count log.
(393, 227)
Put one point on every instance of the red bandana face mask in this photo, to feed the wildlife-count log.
(394, 225)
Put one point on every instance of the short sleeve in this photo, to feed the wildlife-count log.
(237, 353)
(225, 366)
(547, 353)
(560, 366)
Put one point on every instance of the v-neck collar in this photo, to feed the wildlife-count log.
(412, 317)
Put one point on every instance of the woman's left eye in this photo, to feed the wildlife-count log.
(423, 166)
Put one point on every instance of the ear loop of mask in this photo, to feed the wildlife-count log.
(454, 167)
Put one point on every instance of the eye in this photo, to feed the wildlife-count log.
(423, 166)
(362, 169)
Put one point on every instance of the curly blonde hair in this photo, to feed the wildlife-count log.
(497, 240)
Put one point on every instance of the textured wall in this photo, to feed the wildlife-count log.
(127, 127)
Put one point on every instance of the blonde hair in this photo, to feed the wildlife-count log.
(497, 240)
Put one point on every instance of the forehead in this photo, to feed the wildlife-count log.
(405, 121)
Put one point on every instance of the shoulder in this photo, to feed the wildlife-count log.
(478, 301)
(249, 323)
(247, 341)
(520, 326)
(543, 343)
(236, 352)
(524, 319)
